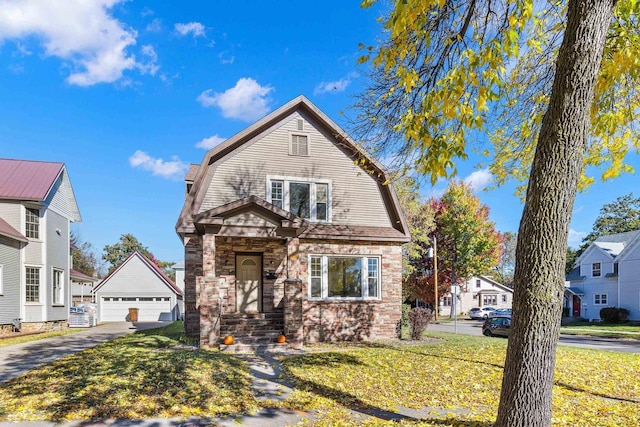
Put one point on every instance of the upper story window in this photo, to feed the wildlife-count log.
(596, 269)
(615, 268)
(299, 145)
(32, 223)
(303, 197)
(478, 284)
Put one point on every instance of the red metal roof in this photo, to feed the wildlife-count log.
(8, 231)
(27, 179)
(80, 276)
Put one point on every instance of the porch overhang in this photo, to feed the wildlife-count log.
(575, 291)
(249, 217)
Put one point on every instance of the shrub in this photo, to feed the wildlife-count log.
(419, 318)
(614, 315)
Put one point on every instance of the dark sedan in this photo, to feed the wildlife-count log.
(497, 326)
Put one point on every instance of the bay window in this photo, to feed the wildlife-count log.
(344, 277)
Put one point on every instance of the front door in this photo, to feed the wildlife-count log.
(576, 306)
(248, 283)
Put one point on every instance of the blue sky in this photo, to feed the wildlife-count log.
(128, 93)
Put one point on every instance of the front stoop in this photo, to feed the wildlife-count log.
(252, 332)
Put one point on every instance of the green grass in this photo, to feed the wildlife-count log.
(35, 337)
(609, 330)
(451, 379)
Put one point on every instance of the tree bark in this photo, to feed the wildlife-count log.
(527, 383)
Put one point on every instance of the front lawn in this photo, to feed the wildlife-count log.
(450, 379)
(607, 330)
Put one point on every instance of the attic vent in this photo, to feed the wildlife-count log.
(299, 145)
(300, 124)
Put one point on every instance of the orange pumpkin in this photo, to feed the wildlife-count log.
(281, 339)
(228, 340)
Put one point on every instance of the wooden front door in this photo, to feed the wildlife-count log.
(576, 306)
(249, 283)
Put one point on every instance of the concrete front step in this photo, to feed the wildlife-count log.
(254, 347)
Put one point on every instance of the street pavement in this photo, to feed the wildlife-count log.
(474, 327)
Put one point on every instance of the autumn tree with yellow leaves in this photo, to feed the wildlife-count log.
(556, 86)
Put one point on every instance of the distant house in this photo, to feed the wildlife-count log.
(293, 223)
(477, 292)
(37, 207)
(82, 288)
(178, 270)
(606, 274)
(137, 283)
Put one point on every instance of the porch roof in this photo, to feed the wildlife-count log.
(575, 291)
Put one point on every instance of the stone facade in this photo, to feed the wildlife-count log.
(210, 290)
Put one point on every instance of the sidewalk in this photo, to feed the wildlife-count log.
(20, 358)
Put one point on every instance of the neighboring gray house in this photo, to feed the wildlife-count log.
(477, 292)
(82, 288)
(293, 224)
(178, 270)
(37, 207)
(137, 283)
(606, 274)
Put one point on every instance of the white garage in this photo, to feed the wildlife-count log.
(138, 291)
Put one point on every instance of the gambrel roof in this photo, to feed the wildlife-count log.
(199, 177)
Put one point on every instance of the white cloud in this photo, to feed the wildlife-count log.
(247, 100)
(209, 143)
(478, 180)
(194, 28)
(150, 67)
(81, 32)
(336, 86)
(154, 26)
(173, 169)
(575, 238)
(226, 58)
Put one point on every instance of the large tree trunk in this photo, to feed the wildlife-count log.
(525, 399)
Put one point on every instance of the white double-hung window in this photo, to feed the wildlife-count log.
(307, 198)
(344, 277)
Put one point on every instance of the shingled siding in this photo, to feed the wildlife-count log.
(339, 320)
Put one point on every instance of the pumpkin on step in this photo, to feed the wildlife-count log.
(281, 339)
(228, 340)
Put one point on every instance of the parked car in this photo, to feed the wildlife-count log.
(497, 326)
(481, 312)
(501, 312)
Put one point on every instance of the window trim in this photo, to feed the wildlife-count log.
(39, 300)
(478, 283)
(313, 204)
(27, 211)
(603, 301)
(54, 302)
(593, 269)
(364, 277)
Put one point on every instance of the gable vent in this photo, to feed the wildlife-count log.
(300, 124)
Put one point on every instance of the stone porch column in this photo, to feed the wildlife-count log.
(293, 321)
(211, 306)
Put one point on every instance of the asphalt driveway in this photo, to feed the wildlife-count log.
(18, 359)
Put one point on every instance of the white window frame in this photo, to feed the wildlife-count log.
(287, 180)
(594, 270)
(298, 134)
(364, 262)
(493, 299)
(38, 224)
(478, 283)
(57, 298)
(39, 269)
(599, 300)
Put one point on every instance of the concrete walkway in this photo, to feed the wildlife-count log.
(17, 359)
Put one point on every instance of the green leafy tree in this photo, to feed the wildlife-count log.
(467, 243)
(572, 256)
(619, 216)
(558, 86)
(84, 258)
(117, 253)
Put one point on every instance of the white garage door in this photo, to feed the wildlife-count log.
(150, 309)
